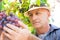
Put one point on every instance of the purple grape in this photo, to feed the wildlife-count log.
(0, 17)
(8, 18)
(4, 16)
(11, 19)
(1, 14)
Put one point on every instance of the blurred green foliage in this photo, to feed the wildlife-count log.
(0, 5)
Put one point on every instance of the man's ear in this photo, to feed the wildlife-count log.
(49, 14)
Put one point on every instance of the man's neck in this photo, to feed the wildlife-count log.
(43, 30)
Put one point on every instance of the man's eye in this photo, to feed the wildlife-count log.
(37, 13)
(30, 15)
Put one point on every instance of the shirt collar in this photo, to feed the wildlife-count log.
(53, 27)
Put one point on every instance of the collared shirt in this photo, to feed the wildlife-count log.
(42, 36)
(53, 34)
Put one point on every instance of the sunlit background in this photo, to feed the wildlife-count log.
(55, 13)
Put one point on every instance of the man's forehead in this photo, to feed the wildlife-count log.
(39, 10)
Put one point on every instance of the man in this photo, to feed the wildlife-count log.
(39, 17)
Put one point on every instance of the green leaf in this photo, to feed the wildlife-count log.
(38, 2)
(0, 5)
(43, 1)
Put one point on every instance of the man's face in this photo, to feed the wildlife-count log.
(38, 17)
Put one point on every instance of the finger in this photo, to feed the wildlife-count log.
(16, 29)
(9, 31)
(7, 35)
(22, 24)
(2, 36)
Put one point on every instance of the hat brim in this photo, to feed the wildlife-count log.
(26, 13)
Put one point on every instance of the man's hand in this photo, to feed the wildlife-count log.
(15, 33)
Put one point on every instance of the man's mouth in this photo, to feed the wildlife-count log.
(36, 23)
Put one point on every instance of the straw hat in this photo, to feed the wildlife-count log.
(34, 7)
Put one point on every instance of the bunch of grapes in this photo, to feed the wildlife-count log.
(11, 19)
